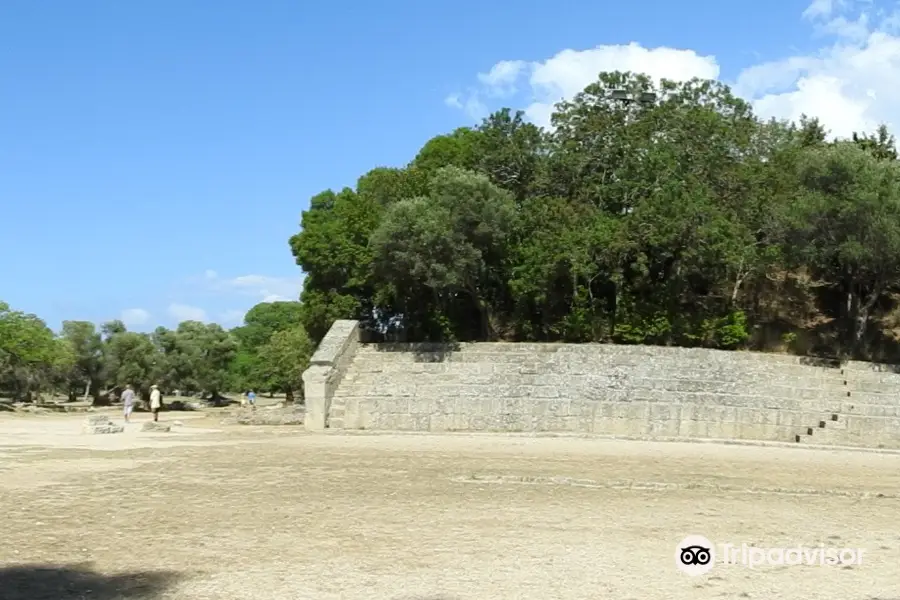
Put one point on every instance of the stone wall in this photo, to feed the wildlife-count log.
(633, 391)
(327, 368)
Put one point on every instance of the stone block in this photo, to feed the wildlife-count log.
(156, 426)
(103, 429)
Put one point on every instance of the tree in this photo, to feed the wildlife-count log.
(285, 357)
(509, 150)
(28, 350)
(133, 360)
(201, 355)
(457, 149)
(266, 318)
(452, 241)
(87, 346)
(333, 250)
(882, 144)
(846, 228)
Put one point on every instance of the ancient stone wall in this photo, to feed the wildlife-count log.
(632, 391)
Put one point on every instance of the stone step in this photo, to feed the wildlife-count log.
(891, 389)
(656, 380)
(652, 391)
(479, 365)
(436, 351)
(829, 437)
(851, 408)
(598, 357)
(816, 430)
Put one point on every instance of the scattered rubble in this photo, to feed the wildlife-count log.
(98, 424)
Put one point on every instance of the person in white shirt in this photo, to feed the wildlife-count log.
(128, 402)
(155, 401)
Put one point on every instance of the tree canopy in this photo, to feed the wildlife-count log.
(654, 213)
(265, 353)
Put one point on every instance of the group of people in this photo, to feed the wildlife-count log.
(129, 399)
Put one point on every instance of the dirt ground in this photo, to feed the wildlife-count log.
(211, 512)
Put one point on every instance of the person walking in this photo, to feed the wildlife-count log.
(128, 402)
(155, 401)
(251, 398)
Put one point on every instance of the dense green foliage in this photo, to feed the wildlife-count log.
(268, 353)
(679, 219)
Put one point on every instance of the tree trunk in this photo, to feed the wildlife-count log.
(87, 389)
(289, 396)
(859, 311)
(216, 399)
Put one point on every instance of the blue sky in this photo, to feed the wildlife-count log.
(155, 156)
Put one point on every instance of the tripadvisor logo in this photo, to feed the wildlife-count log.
(696, 555)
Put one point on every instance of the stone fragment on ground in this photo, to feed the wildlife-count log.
(100, 424)
(99, 429)
(97, 420)
(156, 426)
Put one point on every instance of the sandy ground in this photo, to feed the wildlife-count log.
(209, 512)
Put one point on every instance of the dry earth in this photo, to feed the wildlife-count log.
(210, 512)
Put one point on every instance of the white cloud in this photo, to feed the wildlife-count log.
(564, 75)
(264, 288)
(134, 316)
(184, 312)
(501, 79)
(275, 298)
(820, 8)
(474, 108)
(849, 83)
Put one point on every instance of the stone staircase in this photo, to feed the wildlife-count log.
(867, 404)
(336, 413)
(831, 423)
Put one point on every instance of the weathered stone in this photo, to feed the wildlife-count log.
(328, 365)
(599, 389)
(156, 426)
(96, 420)
(290, 415)
(100, 429)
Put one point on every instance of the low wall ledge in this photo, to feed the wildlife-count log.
(334, 343)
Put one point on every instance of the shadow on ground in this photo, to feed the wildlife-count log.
(71, 582)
